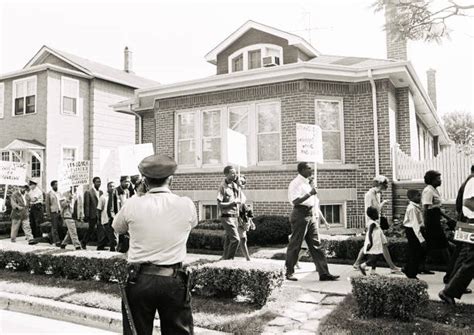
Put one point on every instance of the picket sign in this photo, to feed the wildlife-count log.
(309, 145)
(73, 174)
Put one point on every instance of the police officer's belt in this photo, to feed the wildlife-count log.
(160, 270)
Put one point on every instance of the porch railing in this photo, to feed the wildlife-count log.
(452, 162)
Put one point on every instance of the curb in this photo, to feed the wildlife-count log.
(82, 315)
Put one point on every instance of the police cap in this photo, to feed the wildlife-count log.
(157, 166)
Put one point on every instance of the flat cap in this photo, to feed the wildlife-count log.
(124, 178)
(32, 182)
(157, 166)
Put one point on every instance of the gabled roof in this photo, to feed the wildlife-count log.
(292, 39)
(93, 69)
(22, 144)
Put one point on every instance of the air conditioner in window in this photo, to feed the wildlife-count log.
(271, 61)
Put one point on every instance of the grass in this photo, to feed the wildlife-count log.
(436, 318)
(227, 315)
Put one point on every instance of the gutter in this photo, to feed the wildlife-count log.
(375, 119)
(129, 110)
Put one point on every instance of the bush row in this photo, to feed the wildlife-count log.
(253, 280)
(389, 296)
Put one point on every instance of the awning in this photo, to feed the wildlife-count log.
(21, 144)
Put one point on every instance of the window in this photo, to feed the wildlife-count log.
(5, 156)
(201, 134)
(24, 96)
(2, 100)
(69, 95)
(210, 212)
(16, 156)
(238, 63)
(332, 213)
(329, 116)
(69, 155)
(255, 59)
(35, 167)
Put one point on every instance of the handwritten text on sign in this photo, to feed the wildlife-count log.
(74, 174)
(12, 173)
(309, 143)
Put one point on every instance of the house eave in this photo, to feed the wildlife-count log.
(43, 67)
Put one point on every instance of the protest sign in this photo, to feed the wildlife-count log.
(131, 155)
(236, 148)
(309, 143)
(12, 173)
(73, 174)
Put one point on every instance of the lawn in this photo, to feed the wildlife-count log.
(436, 318)
(233, 316)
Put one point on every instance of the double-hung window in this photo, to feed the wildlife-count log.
(69, 95)
(5, 156)
(24, 96)
(69, 155)
(35, 167)
(329, 116)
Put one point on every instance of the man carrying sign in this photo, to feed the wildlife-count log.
(464, 268)
(20, 201)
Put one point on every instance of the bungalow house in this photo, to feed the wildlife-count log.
(266, 81)
(57, 109)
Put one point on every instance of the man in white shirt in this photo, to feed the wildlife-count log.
(159, 224)
(107, 213)
(36, 208)
(53, 211)
(464, 268)
(416, 243)
(303, 220)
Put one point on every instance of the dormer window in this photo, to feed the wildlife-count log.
(255, 56)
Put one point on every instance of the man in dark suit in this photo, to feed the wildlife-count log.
(53, 211)
(91, 199)
(20, 202)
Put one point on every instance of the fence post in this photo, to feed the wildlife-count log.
(395, 161)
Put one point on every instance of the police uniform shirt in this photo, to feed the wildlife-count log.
(468, 193)
(37, 195)
(159, 223)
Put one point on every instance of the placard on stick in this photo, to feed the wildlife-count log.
(309, 143)
(73, 174)
(236, 148)
(12, 173)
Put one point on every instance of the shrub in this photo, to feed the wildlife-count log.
(398, 298)
(228, 278)
(270, 229)
(206, 239)
(210, 224)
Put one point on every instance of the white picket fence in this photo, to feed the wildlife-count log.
(453, 163)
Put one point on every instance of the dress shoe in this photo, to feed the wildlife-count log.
(83, 245)
(78, 248)
(427, 272)
(32, 242)
(446, 298)
(328, 277)
(291, 277)
(58, 244)
(112, 248)
(361, 268)
(63, 246)
(467, 291)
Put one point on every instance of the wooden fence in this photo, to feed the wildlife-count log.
(453, 163)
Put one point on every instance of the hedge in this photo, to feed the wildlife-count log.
(254, 280)
(231, 278)
(398, 298)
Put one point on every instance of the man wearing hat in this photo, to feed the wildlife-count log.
(123, 193)
(20, 202)
(36, 208)
(159, 224)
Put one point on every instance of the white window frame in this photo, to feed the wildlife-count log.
(340, 100)
(2, 100)
(76, 158)
(40, 167)
(8, 156)
(263, 47)
(342, 214)
(26, 79)
(207, 203)
(253, 136)
(77, 83)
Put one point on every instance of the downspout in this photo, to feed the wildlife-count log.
(139, 123)
(375, 119)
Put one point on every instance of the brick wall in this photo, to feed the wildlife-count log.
(403, 119)
(297, 105)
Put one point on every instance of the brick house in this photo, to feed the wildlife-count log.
(57, 109)
(266, 81)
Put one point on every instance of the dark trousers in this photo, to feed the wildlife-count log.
(461, 278)
(168, 295)
(91, 230)
(451, 269)
(123, 243)
(372, 260)
(304, 228)
(105, 236)
(416, 254)
(55, 224)
(231, 240)
(36, 218)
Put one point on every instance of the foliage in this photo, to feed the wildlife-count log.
(388, 296)
(270, 229)
(228, 278)
(212, 239)
(210, 224)
(460, 127)
(420, 19)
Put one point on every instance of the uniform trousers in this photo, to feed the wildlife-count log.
(168, 295)
(303, 227)
(36, 218)
(232, 239)
(464, 267)
(416, 254)
(25, 224)
(71, 235)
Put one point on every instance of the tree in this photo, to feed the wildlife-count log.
(460, 127)
(422, 19)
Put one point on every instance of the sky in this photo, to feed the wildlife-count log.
(169, 39)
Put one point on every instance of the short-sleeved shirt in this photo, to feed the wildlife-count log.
(468, 193)
(371, 199)
(298, 188)
(413, 219)
(431, 197)
(159, 223)
(102, 206)
(228, 192)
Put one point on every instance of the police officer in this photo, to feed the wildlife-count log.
(159, 223)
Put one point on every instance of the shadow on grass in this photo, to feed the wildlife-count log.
(436, 318)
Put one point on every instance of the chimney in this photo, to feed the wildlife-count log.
(431, 80)
(396, 46)
(127, 61)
